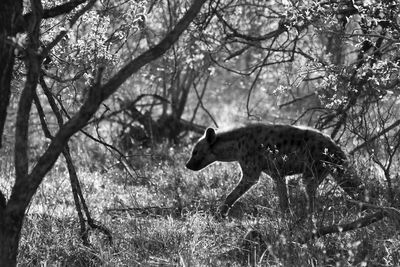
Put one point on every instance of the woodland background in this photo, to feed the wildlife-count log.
(100, 102)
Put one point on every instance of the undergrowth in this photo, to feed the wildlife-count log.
(163, 216)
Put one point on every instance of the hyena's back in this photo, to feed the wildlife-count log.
(288, 149)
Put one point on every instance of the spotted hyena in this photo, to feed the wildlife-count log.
(278, 151)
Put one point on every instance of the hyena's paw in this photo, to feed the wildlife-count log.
(221, 212)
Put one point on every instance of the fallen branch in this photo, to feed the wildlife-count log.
(389, 212)
(147, 211)
(339, 228)
(381, 212)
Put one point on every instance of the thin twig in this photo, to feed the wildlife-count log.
(296, 100)
(394, 125)
(199, 97)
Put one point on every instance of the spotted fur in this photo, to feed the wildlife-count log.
(278, 151)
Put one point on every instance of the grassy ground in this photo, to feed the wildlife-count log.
(164, 217)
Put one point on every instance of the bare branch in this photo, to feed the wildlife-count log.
(256, 79)
(199, 96)
(273, 34)
(203, 107)
(297, 99)
(50, 98)
(42, 117)
(162, 99)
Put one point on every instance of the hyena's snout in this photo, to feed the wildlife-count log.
(188, 166)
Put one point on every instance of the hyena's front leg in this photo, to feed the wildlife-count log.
(312, 180)
(250, 176)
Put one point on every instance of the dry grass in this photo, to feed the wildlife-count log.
(164, 217)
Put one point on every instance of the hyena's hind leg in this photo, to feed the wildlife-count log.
(312, 180)
(282, 191)
(349, 181)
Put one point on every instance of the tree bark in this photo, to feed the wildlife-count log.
(9, 239)
(10, 13)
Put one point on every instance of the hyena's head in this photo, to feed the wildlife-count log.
(202, 154)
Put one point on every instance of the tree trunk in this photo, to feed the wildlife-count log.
(10, 13)
(10, 230)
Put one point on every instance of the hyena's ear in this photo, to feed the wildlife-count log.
(210, 136)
